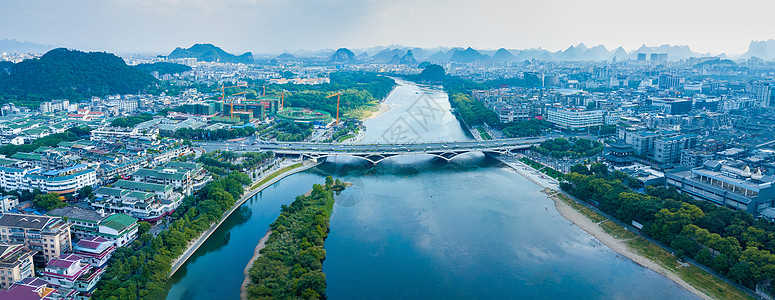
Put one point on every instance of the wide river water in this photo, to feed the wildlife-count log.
(417, 228)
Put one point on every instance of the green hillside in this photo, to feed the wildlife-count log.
(69, 74)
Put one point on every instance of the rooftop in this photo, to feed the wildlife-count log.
(27, 221)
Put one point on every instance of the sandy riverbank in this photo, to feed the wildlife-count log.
(615, 244)
(261, 244)
(383, 108)
(551, 189)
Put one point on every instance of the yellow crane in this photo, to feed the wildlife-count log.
(337, 106)
(282, 100)
(223, 96)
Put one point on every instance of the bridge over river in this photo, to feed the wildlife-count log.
(376, 153)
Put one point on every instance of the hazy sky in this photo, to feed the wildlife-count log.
(272, 26)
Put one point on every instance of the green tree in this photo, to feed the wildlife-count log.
(49, 201)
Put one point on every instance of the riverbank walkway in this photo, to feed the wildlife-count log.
(281, 167)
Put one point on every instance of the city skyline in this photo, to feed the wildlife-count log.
(276, 27)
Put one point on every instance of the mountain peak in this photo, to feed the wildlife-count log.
(210, 53)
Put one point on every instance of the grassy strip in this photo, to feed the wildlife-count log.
(586, 211)
(698, 278)
(543, 169)
(275, 174)
(483, 133)
(344, 137)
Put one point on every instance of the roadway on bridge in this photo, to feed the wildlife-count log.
(305, 147)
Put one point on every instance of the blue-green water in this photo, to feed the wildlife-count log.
(415, 228)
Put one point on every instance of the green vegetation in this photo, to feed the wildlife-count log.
(471, 110)
(209, 52)
(529, 128)
(163, 68)
(483, 133)
(293, 132)
(47, 141)
(349, 130)
(543, 169)
(361, 92)
(344, 138)
(732, 243)
(131, 121)
(209, 135)
(70, 74)
(432, 73)
(291, 264)
(48, 201)
(573, 148)
(140, 270)
(224, 162)
(275, 174)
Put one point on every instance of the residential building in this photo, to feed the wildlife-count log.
(15, 263)
(50, 236)
(137, 202)
(182, 176)
(673, 106)
(95, 251)
(119, 229)
(8, 202)
(669, 149)
(692, 158)
(69, 272)
(35, 289)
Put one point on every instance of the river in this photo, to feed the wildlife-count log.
(417, 228)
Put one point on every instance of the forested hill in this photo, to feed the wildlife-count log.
(163, 68)
(69, 74)
(209, 52)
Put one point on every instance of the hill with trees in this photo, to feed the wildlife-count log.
(69, 74)
(210, 53)
(342, 55)
(163, 68)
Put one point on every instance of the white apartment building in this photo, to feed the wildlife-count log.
(573, 118)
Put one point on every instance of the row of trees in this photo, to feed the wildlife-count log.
(732, 243)
(140, 270)
(472, 110)
(529, 128)
(291, 263)
(573, 148)
(131, 121)
(70, 135)
(209, 135)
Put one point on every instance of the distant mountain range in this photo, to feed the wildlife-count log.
(761, 49)
(11, 45)
(395, 53)
(210, 53)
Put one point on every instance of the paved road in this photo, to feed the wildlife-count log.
(306, 147)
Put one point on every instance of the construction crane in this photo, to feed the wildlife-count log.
(337, 106)
(223, 93)
(282, 100)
